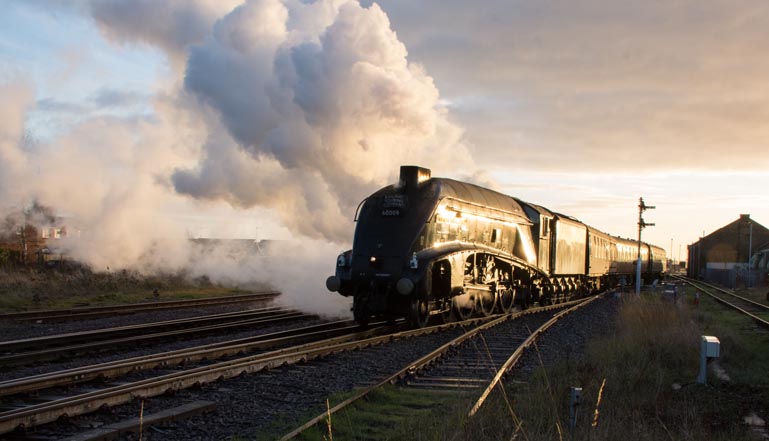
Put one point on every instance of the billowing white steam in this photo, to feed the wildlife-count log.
(300, 108)
(171, 25)
(323, 105)
(297, 267)
(16, 98)
(104, 175)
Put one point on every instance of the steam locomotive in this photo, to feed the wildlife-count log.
(439, 246)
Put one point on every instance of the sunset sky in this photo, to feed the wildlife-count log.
(257, 122)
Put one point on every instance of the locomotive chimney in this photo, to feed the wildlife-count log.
(412, 176)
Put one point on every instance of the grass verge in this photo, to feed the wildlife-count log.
(645, 372)
(394, 413)
(32, 288)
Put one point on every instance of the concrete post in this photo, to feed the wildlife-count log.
(575, 397)
(710, 347)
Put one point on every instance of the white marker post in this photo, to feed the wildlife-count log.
(709, 349)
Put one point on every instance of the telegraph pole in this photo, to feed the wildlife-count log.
(641, 225)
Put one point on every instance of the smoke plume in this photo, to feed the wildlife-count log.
(300, 108)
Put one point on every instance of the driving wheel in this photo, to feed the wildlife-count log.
(506, 300)
(419, 312)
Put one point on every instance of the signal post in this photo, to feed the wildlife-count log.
(641, 225)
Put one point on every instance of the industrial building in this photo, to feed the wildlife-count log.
(736, 255)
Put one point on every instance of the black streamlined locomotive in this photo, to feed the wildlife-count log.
(435, 245)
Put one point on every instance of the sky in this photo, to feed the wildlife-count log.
(273, 119)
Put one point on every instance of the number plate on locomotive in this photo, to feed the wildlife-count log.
(394, 205)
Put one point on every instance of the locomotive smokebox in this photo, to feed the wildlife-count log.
(412, 176)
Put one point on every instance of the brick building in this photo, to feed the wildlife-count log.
(22, 242)
(723, 256)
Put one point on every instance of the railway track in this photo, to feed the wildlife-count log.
(214, 351)
(758, 312)
(25, 351)
(291, 349)
(52, 315)
(476, 360)
(21, 408)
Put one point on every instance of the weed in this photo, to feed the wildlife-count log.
(629, 377)
(66, 287)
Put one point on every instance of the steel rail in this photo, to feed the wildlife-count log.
(723, 290)
(54, 353)
(704, 288)
(88, 402)
(95, 334)
(211, 351)
(428, 359)
(101, 311)
(507, 365)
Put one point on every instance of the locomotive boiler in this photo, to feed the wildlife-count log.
(439, 246)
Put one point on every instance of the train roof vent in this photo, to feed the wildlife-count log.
(412, 176)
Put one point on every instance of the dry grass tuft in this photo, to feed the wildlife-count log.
(627, 380)
(630, 376)
(69, 285)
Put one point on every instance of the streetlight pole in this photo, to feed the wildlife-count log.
(641, 225)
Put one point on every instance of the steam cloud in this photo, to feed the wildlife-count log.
(303, 109)
(172, 25)
(323, 106)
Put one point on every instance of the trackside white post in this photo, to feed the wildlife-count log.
(575, 398)
(710, 347)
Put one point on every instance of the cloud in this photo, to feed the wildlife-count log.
(107, 97)
(590, 85)
(102, 99)
(54, 105)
